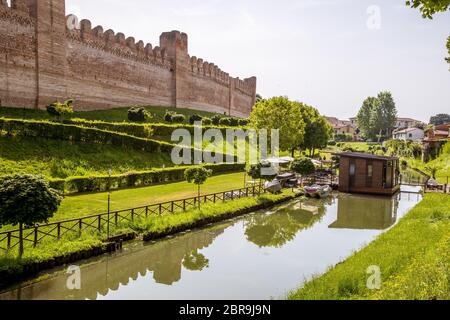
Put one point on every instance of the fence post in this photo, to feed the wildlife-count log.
(99, 223)
(224, 195)
(160, 208)
(146, 212)
(172, 207)
(35, 237)
(116, 218)
(132, 214)
(9, 241)
(80, 225)
(59, 230)
(184, 205)
(246, 192)
(215, 197)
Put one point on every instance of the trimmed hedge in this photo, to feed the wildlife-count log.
(134, 179)
(77, 134)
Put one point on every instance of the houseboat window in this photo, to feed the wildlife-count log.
(352, 169)
(370, 171)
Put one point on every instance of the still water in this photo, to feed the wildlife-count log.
(260, 256)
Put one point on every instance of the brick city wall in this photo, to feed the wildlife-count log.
(42, 60)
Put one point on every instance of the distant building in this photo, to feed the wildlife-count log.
(400, 123)
(341, 127)
(410, 134)
(368, 173)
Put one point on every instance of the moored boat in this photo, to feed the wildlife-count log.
(316, 191)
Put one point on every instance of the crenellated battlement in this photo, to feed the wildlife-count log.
(117, 44)
(19, 12)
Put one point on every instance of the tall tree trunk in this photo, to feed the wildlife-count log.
(20, 240)
(199, 200)
(293, 152)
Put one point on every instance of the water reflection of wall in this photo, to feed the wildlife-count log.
(165, 259)
(279, 228)
(364, 212)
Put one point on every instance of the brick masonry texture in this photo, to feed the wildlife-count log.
(42, 60)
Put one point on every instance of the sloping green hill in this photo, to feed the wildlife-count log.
(112, 115)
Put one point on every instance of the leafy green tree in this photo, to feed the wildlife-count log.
(259, 98)
(195, 261)
(303, 167)
(448, 48)
(26, 200)
(365, 117)
(318, 131)
(377, 116)
(429, 7)
(282, 114)
(60, 110)
(197, 176)
(439, 119)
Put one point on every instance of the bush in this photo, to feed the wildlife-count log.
(332, 143)
(226, 122)
(216, 120)
(207, 121)
(243, 122)
(134, 179)
(60, 110)
(303, 166)
(178, 118)
(168, 116)
(195, 118)
(137, 114)
(343, 137)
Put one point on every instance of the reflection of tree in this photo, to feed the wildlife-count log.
(281, 227)
(195, 261)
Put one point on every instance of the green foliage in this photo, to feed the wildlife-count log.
(195, 118)
(173, 117)
(399, 148)
(428, 8)
(439, 119)
(27, 199)
(317, 129)
(206, 121)
(243, 122)
(256, 171)
(138, 114)
(197, 175)
(303, 166)
(216, 119)
(345, 137)
(60, 110)
(377, 116)
(448, 49)
(282, 114)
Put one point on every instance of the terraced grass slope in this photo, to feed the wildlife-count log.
(111, 115)
(62, 159)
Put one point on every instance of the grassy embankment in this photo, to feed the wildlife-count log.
(413, 257)
(156, 225)
(93, 203)
(442, 164)
(112, 115)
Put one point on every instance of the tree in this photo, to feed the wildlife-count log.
(282, 114)
(448, 48)
(303, 166)
(429, 7)
(197, 176)
(60, 110)
(26, 200)
(138, 114)
(365, 117)
(377, 116)
(259, 98)
(439, 119)
(318, 131)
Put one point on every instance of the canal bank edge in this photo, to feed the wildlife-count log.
(27, 270)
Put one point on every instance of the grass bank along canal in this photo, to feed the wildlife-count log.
(259, 256)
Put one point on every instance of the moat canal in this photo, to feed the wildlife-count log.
(259, 256)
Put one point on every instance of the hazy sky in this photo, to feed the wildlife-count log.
(331, 54)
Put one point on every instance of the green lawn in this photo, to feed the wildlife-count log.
(413, 258)
(61, 159)
(94, 203)
(112, 115)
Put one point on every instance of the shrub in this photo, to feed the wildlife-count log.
(195, 118)
(168, 116)
(207, 121)
(332, 143)
(226, 122)
(60, 110)
(178, 118)
(344, 137)
(216, 120)
(303, 166)
(243, 122)
(137, 114)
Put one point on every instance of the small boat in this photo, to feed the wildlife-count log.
(316, 191)
(273, 187)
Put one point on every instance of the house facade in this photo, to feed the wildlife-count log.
(411, 134)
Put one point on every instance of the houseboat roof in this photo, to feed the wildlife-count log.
(364, 156)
